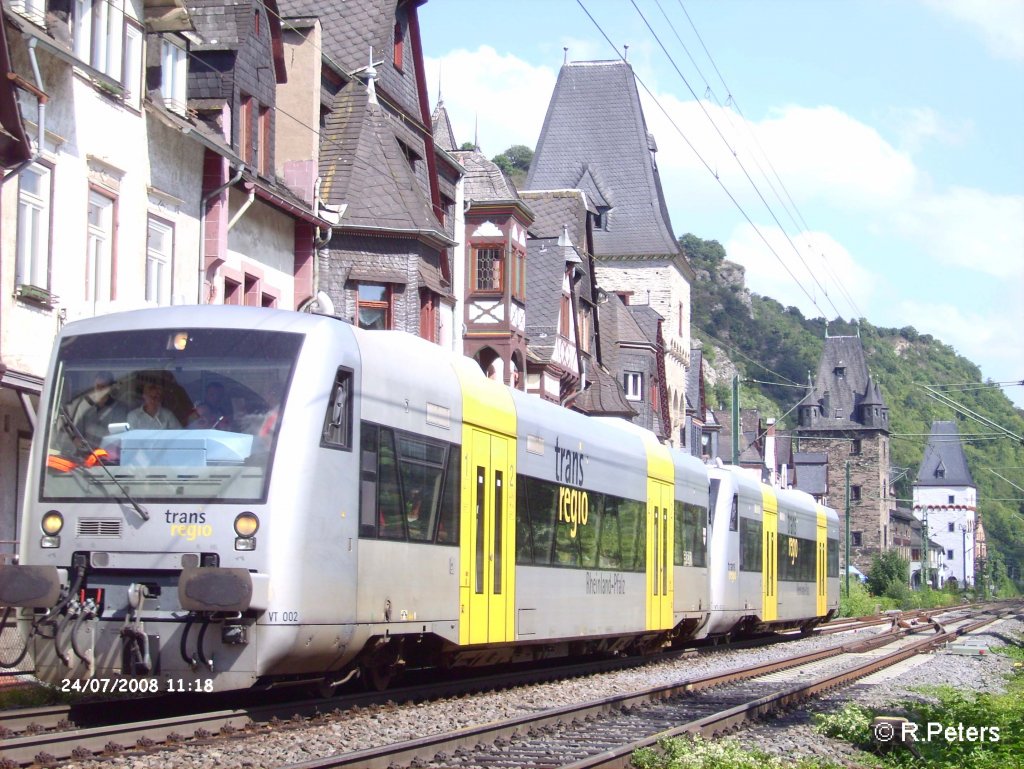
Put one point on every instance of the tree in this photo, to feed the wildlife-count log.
(516, 158)
(888, 569)
(467, 146)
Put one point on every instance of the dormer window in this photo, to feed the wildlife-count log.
(173, 75)
(108, 41)
(840, 372)
(411, 155)
(601, 219)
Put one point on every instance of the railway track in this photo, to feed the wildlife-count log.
(48, 735)
(606, 732)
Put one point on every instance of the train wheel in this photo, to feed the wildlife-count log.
(378, 677)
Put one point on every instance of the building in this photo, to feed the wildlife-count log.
(946, 502)
(844, 417)
(595, 139)
(387, 263)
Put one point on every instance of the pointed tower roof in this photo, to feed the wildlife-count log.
(441, 126)
(612, 150)
(944, 462)
(843, 384)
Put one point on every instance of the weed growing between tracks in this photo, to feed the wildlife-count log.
(955, 729)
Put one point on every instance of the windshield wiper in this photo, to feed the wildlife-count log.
(77, 434)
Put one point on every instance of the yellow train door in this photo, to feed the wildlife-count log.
(770, 556)
(660, 524)
(822, 564)
(488, 551)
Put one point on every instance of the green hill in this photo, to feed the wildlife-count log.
(779, 348)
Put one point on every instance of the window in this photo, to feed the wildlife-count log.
(34, 206)
(99, 255)
(132, 79)
(33, 9)
(232, 291)
(952, 501)
(855, 446)
(159, 260)
(489, 266)
(399, 46)
(857, 538)
(263, 142)
(173, 75)
(245, 128)
(109, 41)
(337, 433)
(633, 385)
(838, 414)
(681, 317)
(252, 291)
(691, 535)
(751, 546)
(949, 555)
(840, 372)
(518, 274)
(734, 513)
(565, 318)
(855, 493)
(373, 306)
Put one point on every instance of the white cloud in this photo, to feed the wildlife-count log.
(819, 264)
(499, 97)
(968, 228)
(917, 126)
(999, 22)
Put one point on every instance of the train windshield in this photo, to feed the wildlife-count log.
(166, 415)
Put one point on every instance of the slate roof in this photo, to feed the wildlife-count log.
(944, 463)
(811, 471)
(484, 181)
(594, 137)
(367, 170)
(545, 266)
(441, 126)
(349, 29)
(603, 396)
(693, 377)
(843, 393)
(647, 319)
(555, 209)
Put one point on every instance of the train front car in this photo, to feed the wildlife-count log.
(147, 533)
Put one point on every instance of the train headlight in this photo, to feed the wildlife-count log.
(246, 526)
(52, 523)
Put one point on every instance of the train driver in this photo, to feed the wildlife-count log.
(152, 414)
(99, 408)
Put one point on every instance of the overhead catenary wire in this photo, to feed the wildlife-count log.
(742, 167)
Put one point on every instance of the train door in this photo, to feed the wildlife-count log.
(770, 557)
(487, 547)
(660, 499)
(822, 563)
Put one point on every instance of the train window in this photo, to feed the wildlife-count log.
(587, 535)
(422, 470)
(833, 557)
(337, 433)
(734, 514)
(524, 531)
(609, 553)
(498, 498)
(368, 481)
(567, 547)
(389, 495)
(634, 535)
(691, 535)
(750, 545)
(796, 558)
(716, 484)
(481, 491)
(405, 491)
(448, 516)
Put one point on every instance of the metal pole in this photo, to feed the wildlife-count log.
(735, 420)
(847, 527)
(926, 551)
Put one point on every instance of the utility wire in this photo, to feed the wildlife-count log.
(739, 162)
(731, 99)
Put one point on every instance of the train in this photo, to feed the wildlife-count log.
(227, 497)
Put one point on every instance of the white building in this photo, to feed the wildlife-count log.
(946, 502)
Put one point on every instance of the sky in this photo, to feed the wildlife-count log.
(860, 158)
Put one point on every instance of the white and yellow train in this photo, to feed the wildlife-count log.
(307, 499)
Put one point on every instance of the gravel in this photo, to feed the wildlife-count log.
(791, 735)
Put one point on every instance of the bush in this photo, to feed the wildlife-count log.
(859, 602)
(727, 753)
(886, 568)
